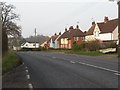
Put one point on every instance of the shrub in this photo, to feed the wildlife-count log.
(92, 45)
(110, 44)
(76, 46)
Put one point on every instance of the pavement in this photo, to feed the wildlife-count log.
(15, 78)
(53, 70)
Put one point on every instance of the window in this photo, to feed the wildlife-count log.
(96, 33)
(75, 38)
(34, 44)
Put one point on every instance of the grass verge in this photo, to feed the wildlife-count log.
(9, 62)
(88, 53)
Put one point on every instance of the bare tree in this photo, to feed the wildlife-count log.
(9, 26)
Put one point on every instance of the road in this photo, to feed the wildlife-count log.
(53, 70)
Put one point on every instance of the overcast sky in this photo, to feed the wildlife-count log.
(50, 17)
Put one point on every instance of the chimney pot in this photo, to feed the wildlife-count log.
(106, 19)
(71, 27)
(77, 26)
(55, 34)
(93, 22)
(59, 33)
(65, 29)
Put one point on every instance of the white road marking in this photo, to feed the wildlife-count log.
(23, 63)
(26, 67)
(54, 57)
(26, 71)
(72, 62)
(30, 86)
(28, 76)
(114, 71)
(118, 74)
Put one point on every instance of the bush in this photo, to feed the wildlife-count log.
(76, 46)
(109, 44)
(92, 45)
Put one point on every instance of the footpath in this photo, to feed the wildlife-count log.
(16, 78)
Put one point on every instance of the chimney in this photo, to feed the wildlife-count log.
(77, 27)
(106, 19)
(59, 33)
(93, 23)
(65, 29)
(71, 27)
(55, 34)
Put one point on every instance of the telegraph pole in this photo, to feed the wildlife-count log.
(119, 29)
(35, 38)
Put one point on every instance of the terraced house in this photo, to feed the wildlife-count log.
(66, 40)
(104, 31)
(53, 41)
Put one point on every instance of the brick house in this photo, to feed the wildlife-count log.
(53, 41)
(66, 40)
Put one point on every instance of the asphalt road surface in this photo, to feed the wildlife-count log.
(52, 70)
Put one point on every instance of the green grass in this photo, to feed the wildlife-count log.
(10, 61)
(88, 53)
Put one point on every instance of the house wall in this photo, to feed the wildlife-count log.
(89, 38)
(43, 44)
(106, 36)
(115, 34)
(64, 43)
(30, 45)
(56, 42)
(51, 44)
(93, 37)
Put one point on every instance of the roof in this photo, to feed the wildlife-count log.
(107, 27)
(54, 37)
(90, 31)
(72, 33)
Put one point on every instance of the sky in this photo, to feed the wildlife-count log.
(53, 16)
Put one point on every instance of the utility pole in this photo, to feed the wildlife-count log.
(119, 29)
(35, 38)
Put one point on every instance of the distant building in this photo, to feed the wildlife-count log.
(44, 44)
(53, 40)
(30, 45)
(66, 40)
(105, 31)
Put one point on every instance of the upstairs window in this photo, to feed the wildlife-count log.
(75, 38)
(96, 34)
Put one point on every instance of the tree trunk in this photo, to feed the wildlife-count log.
(4, 42)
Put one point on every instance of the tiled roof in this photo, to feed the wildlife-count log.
(72, 33)
(107, 27)
(54, 37)
(90, 31)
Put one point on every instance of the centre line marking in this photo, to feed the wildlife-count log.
(28, 76)
(53, 57)
(26, 71)
(72, 62)
(118, 74)
(26, 67)
(99, 67)
(30, 86)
